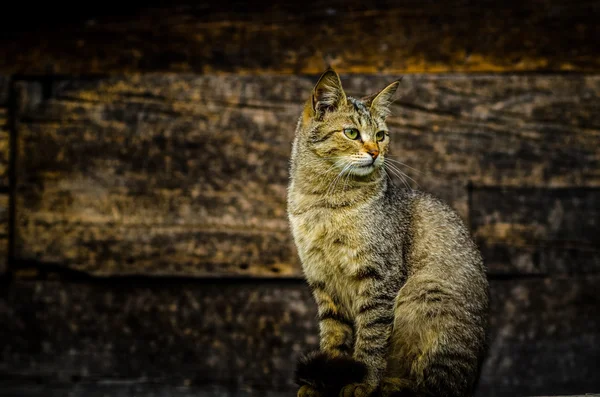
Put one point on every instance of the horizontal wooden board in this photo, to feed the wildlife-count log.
(187, 175)
(106, 388)
(275, 37)
(538, 230)
(545, 337)
(242, 335)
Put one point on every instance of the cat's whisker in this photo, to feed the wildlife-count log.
(392, 170)
(388, 175)
(334, 165)
(401, 163)
(348, 176)
(404, 175)
(399, 174)
(328, 190)
(401, 179)
(416, 183)
(333, 183)
(331, 186)
(347, 170)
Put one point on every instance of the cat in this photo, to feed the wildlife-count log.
(400, 286)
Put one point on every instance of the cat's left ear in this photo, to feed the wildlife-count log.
(380, 103)
(328, 94)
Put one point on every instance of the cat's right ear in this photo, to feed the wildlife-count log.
(328, 94)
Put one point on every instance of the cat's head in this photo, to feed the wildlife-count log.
(346, 134)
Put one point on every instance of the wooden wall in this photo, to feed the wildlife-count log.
(144, 163)
(5, 127)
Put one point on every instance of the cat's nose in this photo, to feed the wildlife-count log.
(373, 152)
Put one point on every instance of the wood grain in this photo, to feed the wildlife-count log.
(25, 388)
(4, 170)
(184, 175)
(187, 175)
(538, 230)
(179, 333)
(274, 37)
(4, 133)
(545, 335)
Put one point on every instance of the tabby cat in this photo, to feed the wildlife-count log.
(400, 286)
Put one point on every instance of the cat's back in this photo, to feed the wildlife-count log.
(425, 212)
(436, 235)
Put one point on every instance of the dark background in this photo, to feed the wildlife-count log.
(143, 172)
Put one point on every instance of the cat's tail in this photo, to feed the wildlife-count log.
(328, 373)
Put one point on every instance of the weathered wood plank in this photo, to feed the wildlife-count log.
(242, 335)
(538, 343)
(4, 133)
(4, 232)
(187, 175)
(4, 90)
(274, 37)
(104, 388)
(545, 335)
(538, 230)
(4, 167)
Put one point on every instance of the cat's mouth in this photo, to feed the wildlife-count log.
(363, 169)
(367, 164)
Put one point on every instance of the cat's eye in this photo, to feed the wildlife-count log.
(351, 133)
(380, 136)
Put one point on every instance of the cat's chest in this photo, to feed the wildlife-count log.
(332, 249)
(330, 243)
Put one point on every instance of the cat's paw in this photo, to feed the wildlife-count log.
(308, 391)
(395, 387)
(356, 390)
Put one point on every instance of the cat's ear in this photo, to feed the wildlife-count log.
(328, 94)
(380, 103)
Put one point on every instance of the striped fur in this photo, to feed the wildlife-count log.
(399, 284)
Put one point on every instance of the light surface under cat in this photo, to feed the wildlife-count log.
(401, 287)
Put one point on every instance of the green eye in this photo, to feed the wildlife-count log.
(351, 133)
(380, 136)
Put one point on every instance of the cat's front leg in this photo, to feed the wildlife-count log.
(325, 372)
(374, 320)
(336, 327)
